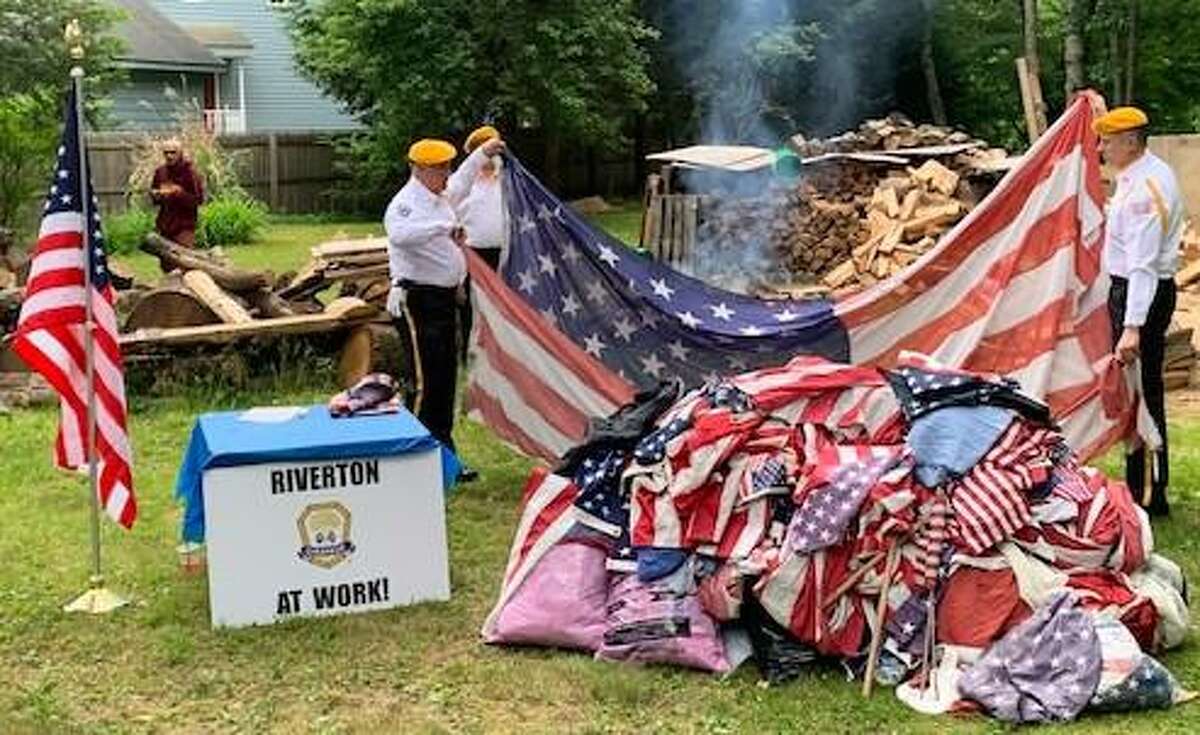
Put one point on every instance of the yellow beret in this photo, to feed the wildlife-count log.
(1120, 120)
(431, 152)
(480, 136)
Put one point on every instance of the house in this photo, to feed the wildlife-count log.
(232, 59)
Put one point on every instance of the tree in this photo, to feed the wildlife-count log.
(33, 56)
(571, 70)
(1074, 49)
(933, 92)
(34, 67)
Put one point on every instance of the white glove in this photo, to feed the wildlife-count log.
(395, 301)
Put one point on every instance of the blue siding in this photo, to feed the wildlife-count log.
(143, 102)
(277, 98)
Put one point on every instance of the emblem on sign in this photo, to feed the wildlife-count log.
(325, 534)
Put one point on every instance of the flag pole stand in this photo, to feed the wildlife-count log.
(98, 599)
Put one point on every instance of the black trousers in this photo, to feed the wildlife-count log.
(427, 332)
(466, 317)
(1153, 347)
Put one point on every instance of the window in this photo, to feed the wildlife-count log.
(279, 3)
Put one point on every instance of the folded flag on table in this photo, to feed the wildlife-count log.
(575, 321)
(51, 334)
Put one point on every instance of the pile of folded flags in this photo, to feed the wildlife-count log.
(924, 527)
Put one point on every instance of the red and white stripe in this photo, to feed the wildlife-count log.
(51, 339)
(529, 382)
(1015, 289)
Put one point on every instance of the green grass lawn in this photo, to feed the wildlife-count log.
(158, 667)
(284, 246)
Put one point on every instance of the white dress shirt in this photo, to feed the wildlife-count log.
(482, 213)
(1145, 222)
(418, 225)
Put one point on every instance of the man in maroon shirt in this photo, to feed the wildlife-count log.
(178, 192)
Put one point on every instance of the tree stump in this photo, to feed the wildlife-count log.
(371, 348)
(169, 307)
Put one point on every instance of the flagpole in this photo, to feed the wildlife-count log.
(98, 598)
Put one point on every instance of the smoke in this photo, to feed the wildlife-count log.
(758, 72)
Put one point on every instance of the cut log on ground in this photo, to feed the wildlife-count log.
(227, 308)
(371, 348)
(169, 307)
(172, 256)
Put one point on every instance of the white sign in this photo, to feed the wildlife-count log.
(325, 537)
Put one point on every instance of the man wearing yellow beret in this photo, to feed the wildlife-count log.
(483, 216)
(427, 269)
(1145, 222)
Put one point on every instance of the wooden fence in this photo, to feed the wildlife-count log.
(291, 172)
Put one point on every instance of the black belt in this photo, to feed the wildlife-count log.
(414, 286)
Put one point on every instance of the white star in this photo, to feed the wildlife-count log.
(546, 265)
(787, 315)
(738, 364)
(608, 255)
(652, 365)
(65, 198)
(649, 319)
(549, 316)
(661, 288)
(62, 150)
(625, 328)
(909, 628)
(689, 319)
(570, 254)
(526, 224)
(570, 305)
(751, 331)
(596, 292)
(62, 173)
(527, 281)
(593, 345)
(54, 189)
(544, 212)
(721, 311)
(558, 213)
(678, 351)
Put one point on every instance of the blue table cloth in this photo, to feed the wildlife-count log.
(233, 438)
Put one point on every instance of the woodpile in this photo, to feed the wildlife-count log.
(905, 217)
(1180, 360)
(202, 303)
(867, 204)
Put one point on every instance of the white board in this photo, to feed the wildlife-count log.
(327, 537)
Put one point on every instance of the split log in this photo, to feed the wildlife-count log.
(169, 307)
(937, 177)
(371, 348)
(1177, 379)
(222, 304)
(172, 256)
(1188, 275)
(8, 279)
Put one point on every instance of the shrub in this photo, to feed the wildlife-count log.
(27, 136)
(123, 232)
(217, 166)
(230, 220)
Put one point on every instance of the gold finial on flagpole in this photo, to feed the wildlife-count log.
(73, 35)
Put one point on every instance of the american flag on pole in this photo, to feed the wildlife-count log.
(51, 332)
(575, 321)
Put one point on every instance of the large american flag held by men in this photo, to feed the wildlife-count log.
(51, 334)
(575, 322)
